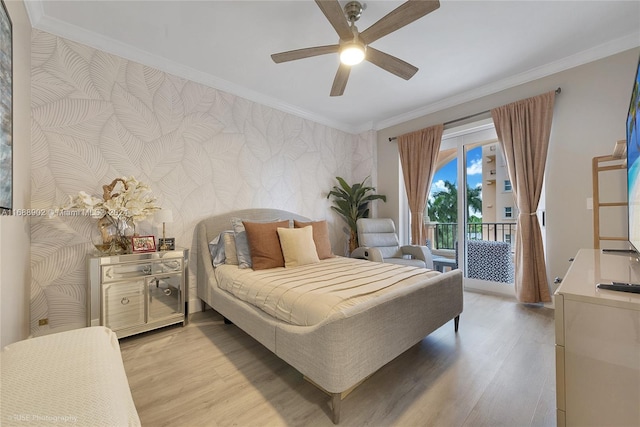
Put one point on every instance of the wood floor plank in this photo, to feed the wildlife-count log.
(498, 370)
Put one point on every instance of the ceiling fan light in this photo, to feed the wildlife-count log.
(352, 54)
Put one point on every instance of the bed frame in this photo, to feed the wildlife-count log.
(342, 351)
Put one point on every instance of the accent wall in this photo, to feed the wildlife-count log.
(97, 116)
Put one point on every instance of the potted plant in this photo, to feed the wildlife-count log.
(352, 203)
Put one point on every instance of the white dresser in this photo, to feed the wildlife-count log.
(598, 343)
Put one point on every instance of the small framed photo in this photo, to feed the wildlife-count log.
(143, 244)
(170, 242)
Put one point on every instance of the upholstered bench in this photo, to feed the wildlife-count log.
(72, 378)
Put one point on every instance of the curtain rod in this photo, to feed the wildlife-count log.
(470, 116)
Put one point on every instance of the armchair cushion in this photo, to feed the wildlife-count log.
(379, 242)
(379, 233)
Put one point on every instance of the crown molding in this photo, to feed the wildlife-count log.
(593, 54)
(41, 21)
(77, 34)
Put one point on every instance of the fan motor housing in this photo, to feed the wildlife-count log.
(353, 10)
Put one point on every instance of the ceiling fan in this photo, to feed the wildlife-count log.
(353, 45)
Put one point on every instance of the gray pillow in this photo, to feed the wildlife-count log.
(242, 243)
(216, 248)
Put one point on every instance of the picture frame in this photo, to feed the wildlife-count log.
(171, 243)
(6, 111)
(140, 244)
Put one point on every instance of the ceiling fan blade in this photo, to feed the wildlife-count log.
(403, 15)
(340, 81)
(390, 63)
(334, 13)
(308, 52)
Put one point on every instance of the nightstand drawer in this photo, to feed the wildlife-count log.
(123, 304)
(164, 297)
(125, 271)
(167, 266)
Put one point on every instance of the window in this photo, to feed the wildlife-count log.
(507, 185)
(507, 238)
(508, 212)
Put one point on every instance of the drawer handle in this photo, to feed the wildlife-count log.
(108, 273)
(167, 292)
(124, 301)
(146, 269)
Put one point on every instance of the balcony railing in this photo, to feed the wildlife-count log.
(444, 235)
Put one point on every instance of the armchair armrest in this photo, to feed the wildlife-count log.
(371, 254)
(419, 252)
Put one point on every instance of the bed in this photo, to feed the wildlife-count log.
(74, 378)
(338, 349)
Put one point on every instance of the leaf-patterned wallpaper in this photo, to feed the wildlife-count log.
(96, 116)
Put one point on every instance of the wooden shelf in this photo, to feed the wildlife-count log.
(605, 164)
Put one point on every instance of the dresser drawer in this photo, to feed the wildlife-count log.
(123, 304)
(167, 266)
(125, 271)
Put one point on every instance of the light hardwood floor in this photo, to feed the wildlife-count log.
(499, 370)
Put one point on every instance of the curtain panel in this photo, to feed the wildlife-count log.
(418, 155)
(523, 129)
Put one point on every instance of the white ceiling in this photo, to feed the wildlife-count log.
(464, 50)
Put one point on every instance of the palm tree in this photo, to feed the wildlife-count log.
(444, 206)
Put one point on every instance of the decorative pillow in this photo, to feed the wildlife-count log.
(217, 248)
(320, 237)
(298, 247)
(242, 244)
(264, 244)
(231, 257)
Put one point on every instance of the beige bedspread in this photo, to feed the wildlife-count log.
(308, 294)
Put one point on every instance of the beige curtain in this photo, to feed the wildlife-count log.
(418, 155)
(523, 130)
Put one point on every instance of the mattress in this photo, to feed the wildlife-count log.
(68, 378)
(308, 294)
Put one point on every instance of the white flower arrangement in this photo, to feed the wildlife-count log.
(125, 198)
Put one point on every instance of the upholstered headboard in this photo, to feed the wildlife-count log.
(209, 228)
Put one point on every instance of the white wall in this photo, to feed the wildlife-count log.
(97, 116)
(589, 117)
(15, 230)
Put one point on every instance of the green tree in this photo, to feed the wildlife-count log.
(443, 207)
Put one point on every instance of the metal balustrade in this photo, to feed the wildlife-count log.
(444, 235)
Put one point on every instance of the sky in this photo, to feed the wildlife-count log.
(449, 173)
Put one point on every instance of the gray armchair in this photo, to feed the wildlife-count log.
(379, 242)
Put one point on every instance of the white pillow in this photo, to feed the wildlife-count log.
(298, 247)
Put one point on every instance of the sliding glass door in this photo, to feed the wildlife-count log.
(471, 214)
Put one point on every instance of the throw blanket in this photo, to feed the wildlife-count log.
(308, 294)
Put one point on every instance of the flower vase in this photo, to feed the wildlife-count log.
(113, 235)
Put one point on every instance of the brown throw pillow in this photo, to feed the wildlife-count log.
(264, 244)
(320, 237)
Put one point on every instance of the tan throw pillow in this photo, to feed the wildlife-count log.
(320, 237)
(231, 257)
(264, 244)
(298, 247)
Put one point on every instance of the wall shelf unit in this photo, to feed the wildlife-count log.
(602, 164)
